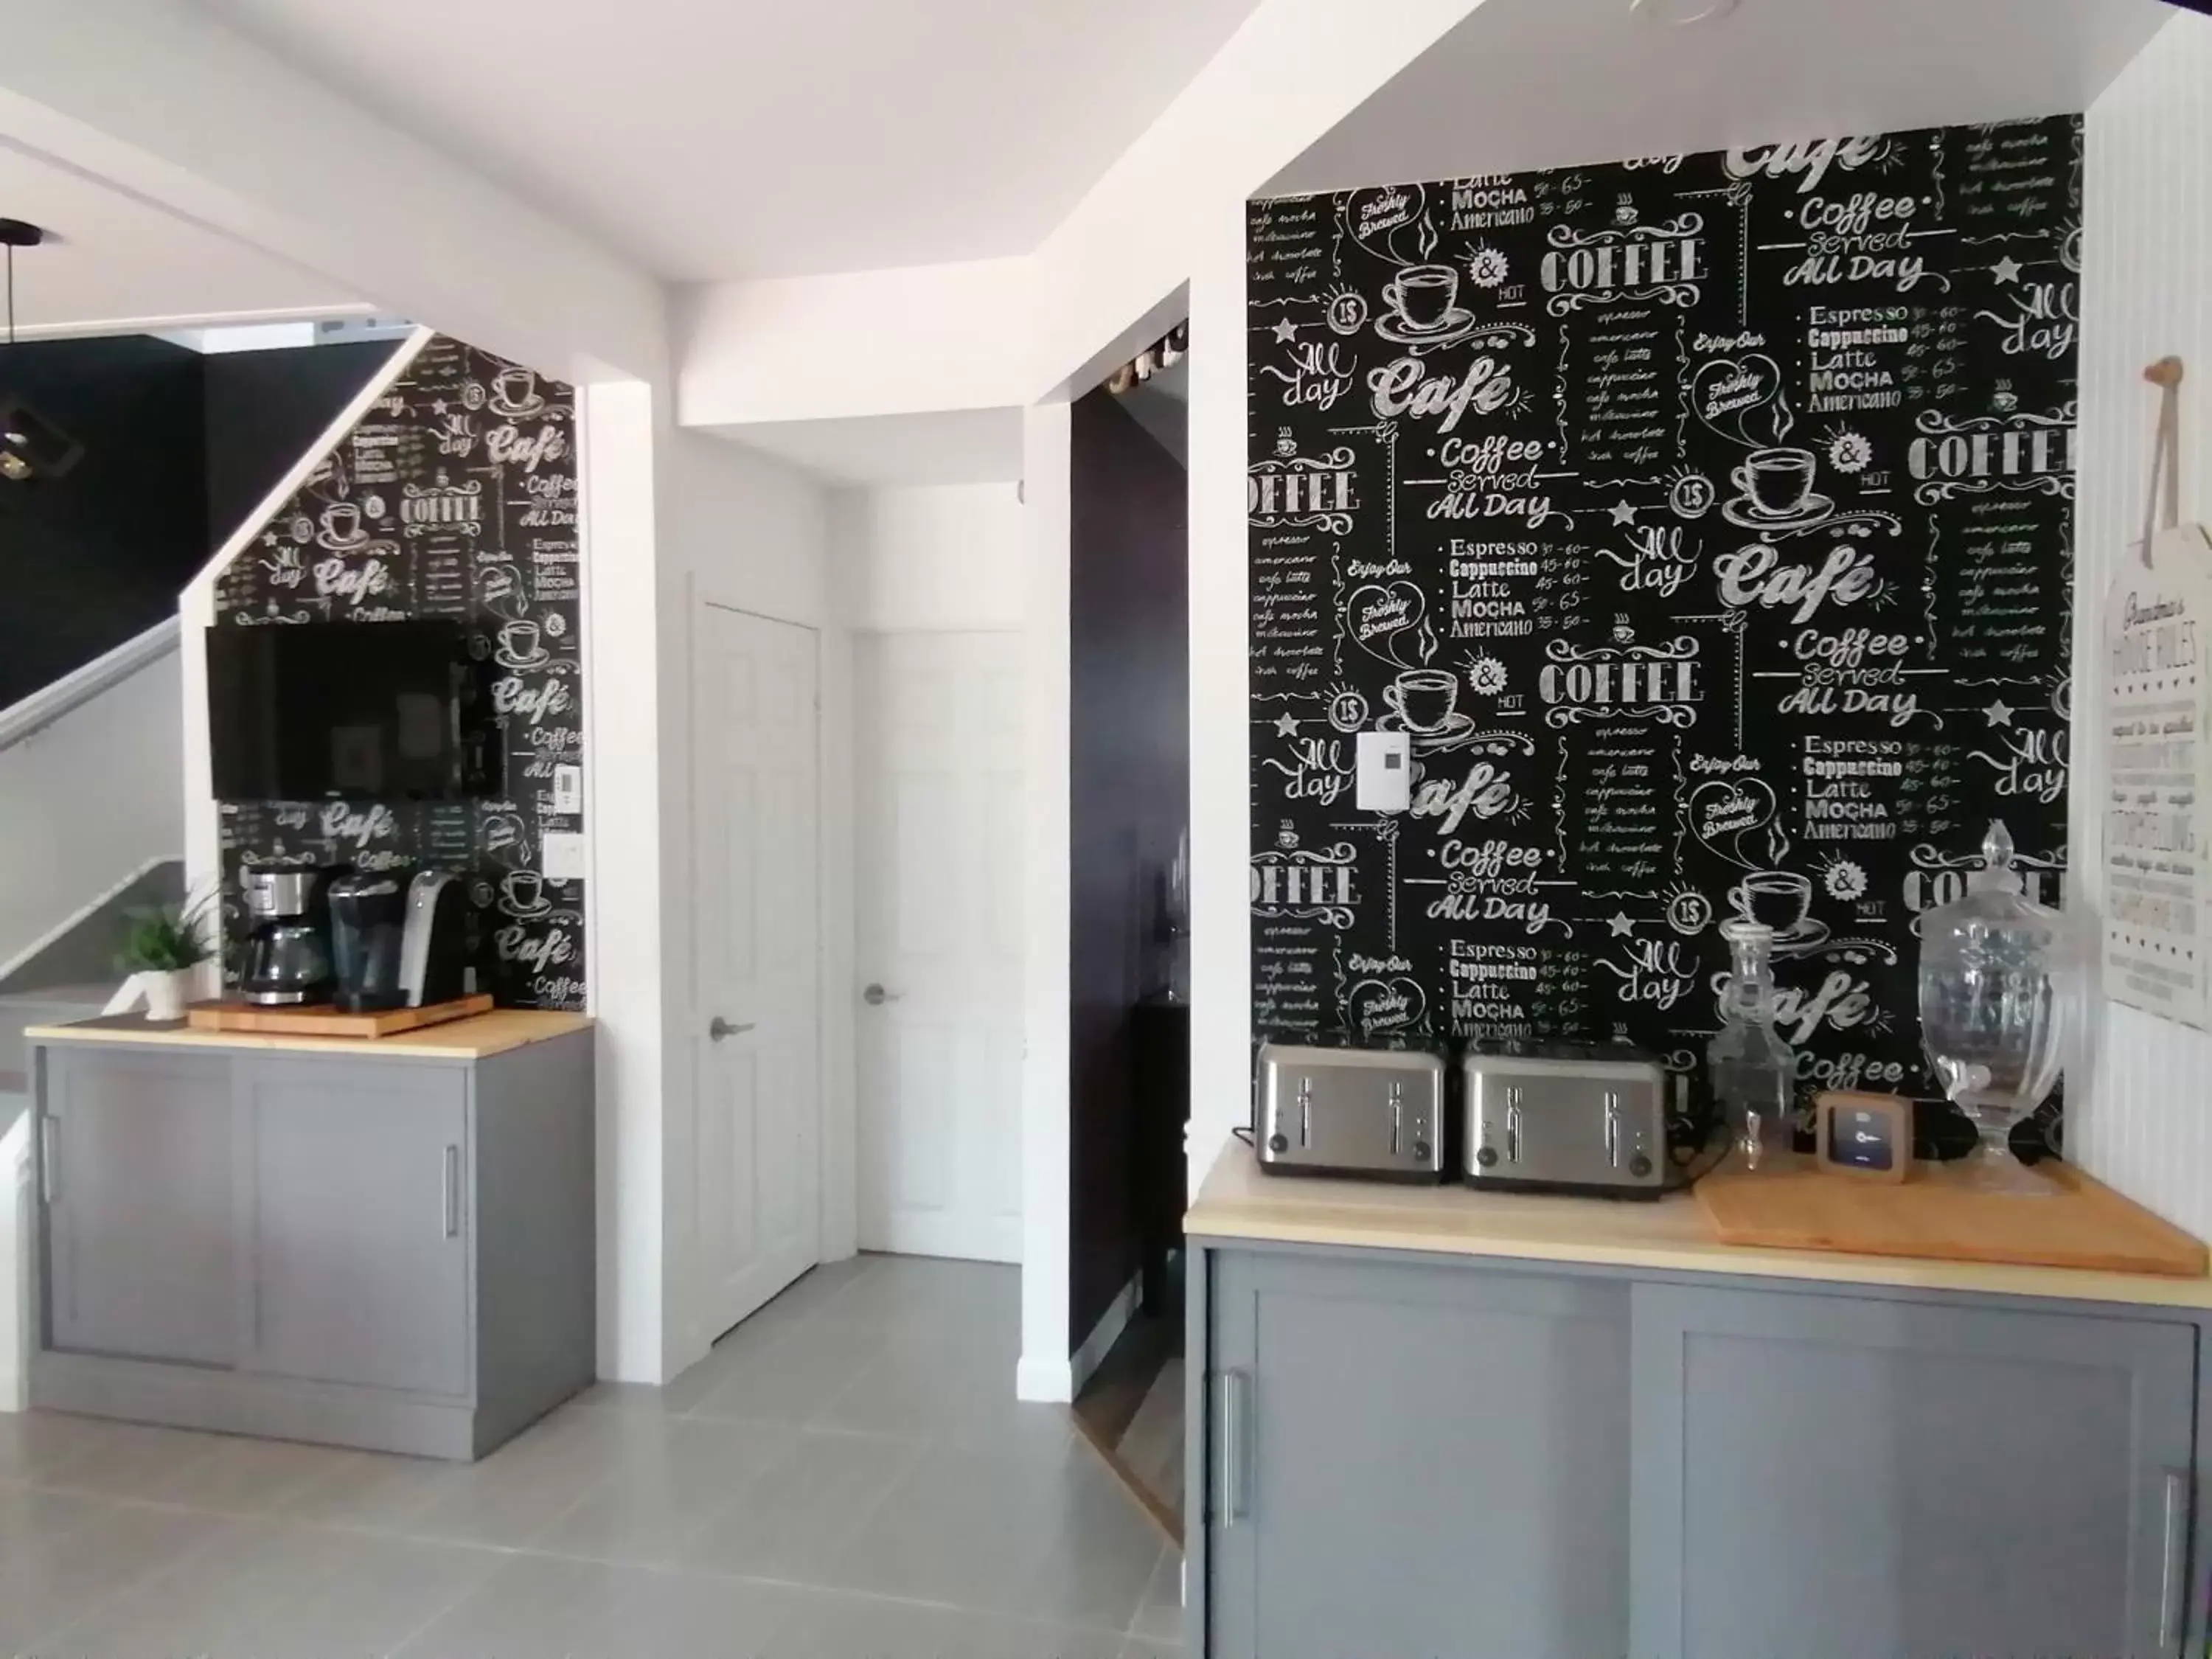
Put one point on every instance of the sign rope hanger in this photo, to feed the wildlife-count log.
(2162, 510)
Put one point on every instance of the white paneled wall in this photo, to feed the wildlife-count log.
(2144, 1123)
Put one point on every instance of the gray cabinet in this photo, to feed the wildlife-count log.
(1396, 1455)
(357, 1257)
(395, 1254)
(1834, 1476)
(135, 1155)
(1415, 1460)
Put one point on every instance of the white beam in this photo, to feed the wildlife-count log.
(173, 108)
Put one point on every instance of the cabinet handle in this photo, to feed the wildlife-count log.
(50, 1184)
(452, 1191)
(1230, 1427)
(2173, 1572)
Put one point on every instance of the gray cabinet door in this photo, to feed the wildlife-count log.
(1832, 1477)
(1416, 1461)
(141, 1229)
(357, 1254)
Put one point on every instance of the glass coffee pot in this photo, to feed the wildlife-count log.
(1753, 1071)
(1999, 979)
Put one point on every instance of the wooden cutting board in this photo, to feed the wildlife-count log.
(2086, 1224)
(328, 1022)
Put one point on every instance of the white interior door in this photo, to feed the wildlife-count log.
(938, 784)
(756, 1170)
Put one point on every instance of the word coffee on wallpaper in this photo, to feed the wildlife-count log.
(1703, 521)
(455, 496)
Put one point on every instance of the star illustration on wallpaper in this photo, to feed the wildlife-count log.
(1287, 727)
(1621, 926)
(1286, 331)
(1622, 513)
(1998, 712)
(2006, 269)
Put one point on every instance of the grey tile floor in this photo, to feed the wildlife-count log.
(847, 1475)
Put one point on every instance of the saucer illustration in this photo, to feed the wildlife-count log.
(1741, 510)
(1807, 936)
(1456, 728)
(337, 543)
(507, 658)
(1455, 325)
(519, 910)
(533, 405)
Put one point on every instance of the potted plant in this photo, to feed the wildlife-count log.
(165, 945)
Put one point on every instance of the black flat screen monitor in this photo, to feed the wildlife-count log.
(360, 711)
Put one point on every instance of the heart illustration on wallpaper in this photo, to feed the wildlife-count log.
(1724, 811)
(1384, 1005)
(1742, 400)
(1389, 623)
(1390, 221)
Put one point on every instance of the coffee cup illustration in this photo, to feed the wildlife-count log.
(522, 893)
(1774, 490)
(519, 646)
(1779, 899)
(514, 390)
(1425, 699)
(342, 524)
(1423, 296)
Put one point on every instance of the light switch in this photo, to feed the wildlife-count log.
(567, 789)
(1385, 761)
(568, 855)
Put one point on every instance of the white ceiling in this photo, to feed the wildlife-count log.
(708, 139)
(958, 446)
(119, 265)
(1539, 83)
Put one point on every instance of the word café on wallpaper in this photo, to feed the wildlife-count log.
(1703, 521)
(453, 497)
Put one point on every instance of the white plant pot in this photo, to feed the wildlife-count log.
(166, 993)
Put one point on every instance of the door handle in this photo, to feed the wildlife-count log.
(2173, 1567)
(1232, 1390)
(718, 1028)
(453, 1210)
(875, 996)
(49, 1146)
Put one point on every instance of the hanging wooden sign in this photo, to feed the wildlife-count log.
(2157, 772)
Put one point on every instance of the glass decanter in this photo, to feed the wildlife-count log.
(1754, 1072)
(1996, 979)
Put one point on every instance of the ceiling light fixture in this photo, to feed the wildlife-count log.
(15, 234)
(1680, 14)
(31, 446)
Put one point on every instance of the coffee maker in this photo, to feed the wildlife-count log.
(288, 953)
(368, 919)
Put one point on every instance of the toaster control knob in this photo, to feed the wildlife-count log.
(1487, 1157)
(1421, 1151)
(1639, 1166)
(1277, 1144)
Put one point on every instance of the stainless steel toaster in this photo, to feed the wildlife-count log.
(1372, 1112)
(1564, 1118)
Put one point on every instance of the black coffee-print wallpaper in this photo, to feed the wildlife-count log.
(456, 496)
(1705, 519)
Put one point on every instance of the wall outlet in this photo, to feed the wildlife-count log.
(1385, 761)
(569, 789)
(568, 855)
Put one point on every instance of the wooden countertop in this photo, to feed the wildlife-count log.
(1238, 1202)
(479, 1038)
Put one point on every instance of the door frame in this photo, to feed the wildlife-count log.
(685, 1339)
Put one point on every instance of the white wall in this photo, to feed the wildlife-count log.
(929, 559)
(87, 804)
(2143, 1123)
(1045, 1372)
(739, 529)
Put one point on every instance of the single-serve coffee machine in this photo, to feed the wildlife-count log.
(288, 951)
(398, 941)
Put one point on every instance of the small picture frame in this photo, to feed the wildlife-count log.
(1864, 1135)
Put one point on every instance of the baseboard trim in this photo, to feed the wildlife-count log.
(1105, 1333)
